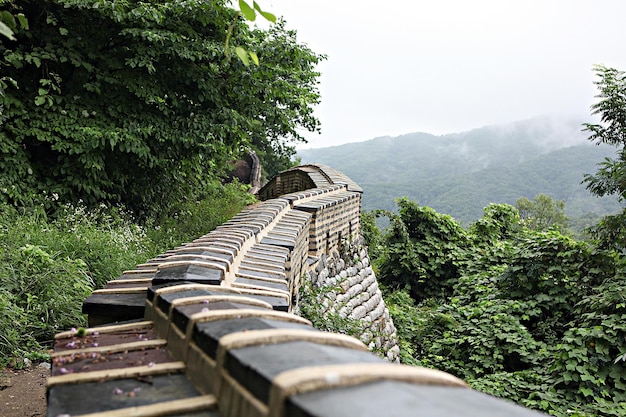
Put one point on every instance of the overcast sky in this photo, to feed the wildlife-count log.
(443, 66)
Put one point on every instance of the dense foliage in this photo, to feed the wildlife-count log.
(48, 266)
(542, 213)
(532, 316)
(136, 102)
(511, 304)
(610, 178)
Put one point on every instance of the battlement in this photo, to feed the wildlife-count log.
(208, 328)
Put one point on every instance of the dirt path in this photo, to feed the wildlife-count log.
(23, 392)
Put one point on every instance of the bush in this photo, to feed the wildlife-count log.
(49, 265)
(531, 316)
(188, 220)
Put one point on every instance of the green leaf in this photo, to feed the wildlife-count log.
(6, 32)
(23, 21)
(269, 16)
(266, 15)
(247, 11)
(243, 55)
(7, 18)
(40, 100)
(63, 31)
(254, 58)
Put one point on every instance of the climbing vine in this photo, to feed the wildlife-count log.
(531, 316)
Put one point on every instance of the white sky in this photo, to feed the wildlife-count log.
(443, 66)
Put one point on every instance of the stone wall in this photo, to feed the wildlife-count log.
(350, 290)
(208, 328)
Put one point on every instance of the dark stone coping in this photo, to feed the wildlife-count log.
(115, 306)
(226, 234)
(182, 314)
(402, 400)
(191, 257)
(260, 283)
(191, 273)
(266, 257)
(255, 367)
(286, 230)
(164, 301)
(275, 266)
(332, 200)
(295, 219)
(278, 303)
(269, 240)
(94, 397)
(274, 250)
(207, 335)
(216, 246)
(227, 257)
(262, 274)
(253, 229)
(236, 228)
(218, 241)
(231, 227)
(312, 192)
(247, 217)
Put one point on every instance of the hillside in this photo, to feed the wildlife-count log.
(459, 174)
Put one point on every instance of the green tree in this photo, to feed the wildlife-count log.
(532, 316)
(10, 21)
(135, 102)
(542, 213)
(422, 250)
(610, 178)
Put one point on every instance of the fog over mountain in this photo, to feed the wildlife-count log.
(461, 173)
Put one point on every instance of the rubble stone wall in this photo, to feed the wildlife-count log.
(350, 289)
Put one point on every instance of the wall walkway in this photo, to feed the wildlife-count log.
(208, 328)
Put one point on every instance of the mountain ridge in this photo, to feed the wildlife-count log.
(460, 173)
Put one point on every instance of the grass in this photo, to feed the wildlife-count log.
(48, 266)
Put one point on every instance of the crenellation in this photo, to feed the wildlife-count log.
(212, 328)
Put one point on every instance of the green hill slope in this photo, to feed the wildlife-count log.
(460, 174)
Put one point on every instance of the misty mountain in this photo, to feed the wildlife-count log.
(460, 174)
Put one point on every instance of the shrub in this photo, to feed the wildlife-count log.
(49, 265)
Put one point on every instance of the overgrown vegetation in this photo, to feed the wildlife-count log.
(317, 304)
(49, 265)
(136, 102)
(532, 316)
(511, 304)
(118, 122)
(146, 111)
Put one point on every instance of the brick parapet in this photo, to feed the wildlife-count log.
(209, 330)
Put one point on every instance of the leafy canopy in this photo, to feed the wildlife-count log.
(542, 213)
(531, 316)
(610, 179)
(135, 102)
